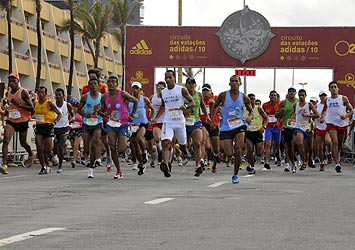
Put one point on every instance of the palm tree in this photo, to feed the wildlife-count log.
(92, 24)
(122, 11)
(39, 42)
(7, 5)
(189, 72)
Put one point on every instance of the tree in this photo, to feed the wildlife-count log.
(39, 42)
(7, 5)
(122, 11)
(92, 24)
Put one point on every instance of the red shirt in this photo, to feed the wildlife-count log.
(209, 102)
(270, 109)
(102, 89)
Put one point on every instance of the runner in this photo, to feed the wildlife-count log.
(61, 128)
(156, 102)
(113, 105)
(303, 131)
(47, 115)
(336, 112)
(139, 124)
(286, 111)
(89, 109)
(210, 136)
(273, 130)
(174, 121)
(194, 125)
(233, 124)
(18, 115)
(254, 133)
(76, 132)
(322, 135)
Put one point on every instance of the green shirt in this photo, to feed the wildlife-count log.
(194, 115)
(289, 122)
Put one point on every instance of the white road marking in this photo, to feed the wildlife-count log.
(158, 201)
(217, 184)
(28, 235)
(16, 176)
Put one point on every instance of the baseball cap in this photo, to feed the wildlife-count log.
(314, 99)
(291, 89)
(206, 86)
(14, 75)
(73, 100)
(137, 84)
(190, 79)
(322, 93)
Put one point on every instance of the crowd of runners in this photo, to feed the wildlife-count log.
(176, 124)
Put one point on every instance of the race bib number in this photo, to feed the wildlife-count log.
(114, 123)
(305, 125)
(174, 114)
(134, 129)
(272, 118)
(235, 122)
(14, 114)
(75, 125)
(40, 118)
(92, 121)
(208, 109)
(251, 126)
(190, 121)
(291, 123)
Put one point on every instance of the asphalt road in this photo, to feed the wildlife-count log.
(269, 210)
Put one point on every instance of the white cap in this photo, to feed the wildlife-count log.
(138, 84)
(322, 93)
(314, 99)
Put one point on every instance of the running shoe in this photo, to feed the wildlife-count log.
(321, 167)
(73, 164)
(311, 164)
(214, 169)
(251, 170)
(30, 161)
(109, 169)
(135, 166)
(59, 170)
(216, 158)
(98, 163)
(198, 171)
(303, 167)
(118, 175)
(152, 164)
(316, 160)
(278, 163)
(141, 169)
(293, 170)
(267, 166)
(235, 179)
(160, 157)
(164, 169)
(209, 165)
(338, 168)
(85, 162)
(43, 171)
(287, 168)
(4, 169)
(90, 173)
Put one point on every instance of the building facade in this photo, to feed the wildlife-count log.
(55, 49)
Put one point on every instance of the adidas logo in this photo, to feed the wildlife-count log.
(141, 48)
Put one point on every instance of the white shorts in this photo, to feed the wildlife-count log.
(168, 130)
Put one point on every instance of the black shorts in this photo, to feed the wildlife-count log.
(90, 129)
(18, 126)
(75, 133)
(134, 134)
(254, 136)
(225, 135)
(148, 135)
(287, 134)
(61, 131)
(211, 131)
(45, 130)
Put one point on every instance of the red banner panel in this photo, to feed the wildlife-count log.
(292, 47)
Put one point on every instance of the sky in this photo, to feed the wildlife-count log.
(279, 13)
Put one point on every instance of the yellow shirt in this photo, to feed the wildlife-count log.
(43, 114)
